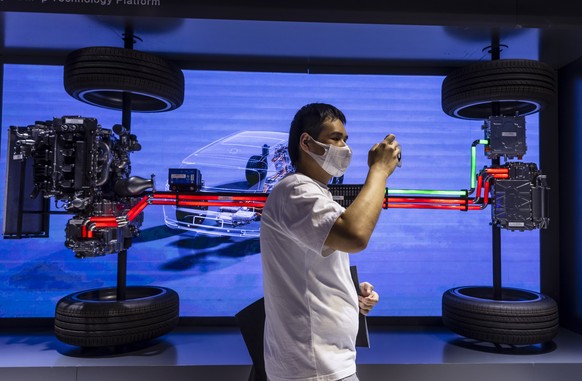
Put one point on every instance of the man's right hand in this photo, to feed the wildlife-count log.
(384, 155)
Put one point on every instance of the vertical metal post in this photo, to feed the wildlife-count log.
(496, 244)
(495, 230)
(121, 275)
(19, 215)
(128, 41)
(121, 290)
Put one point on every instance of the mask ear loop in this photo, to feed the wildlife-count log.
(324, 147)
(305, 142)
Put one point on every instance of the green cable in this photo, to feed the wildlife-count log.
(474, 161)
(461, 193)
(473, 165)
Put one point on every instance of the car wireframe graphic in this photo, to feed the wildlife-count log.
(244, 162)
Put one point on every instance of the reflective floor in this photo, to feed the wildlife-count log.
(219, 353)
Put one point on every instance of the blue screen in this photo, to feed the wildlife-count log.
(413, 257)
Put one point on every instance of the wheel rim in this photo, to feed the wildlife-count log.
(110, 294)
(113, 99)
(478, 110)
(507, 294)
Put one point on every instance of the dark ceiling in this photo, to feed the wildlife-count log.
(410, 36)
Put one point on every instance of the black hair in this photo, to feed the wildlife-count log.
(310, 119)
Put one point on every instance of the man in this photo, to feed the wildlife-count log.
(311, 304)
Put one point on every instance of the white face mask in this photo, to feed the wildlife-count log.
(335, 160)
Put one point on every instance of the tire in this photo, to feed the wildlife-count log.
(101, 75)
(519, 87)
(95, 318)
(520, 318)
(256, 169)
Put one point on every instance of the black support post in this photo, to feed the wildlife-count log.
(495, 230)
(128, 41)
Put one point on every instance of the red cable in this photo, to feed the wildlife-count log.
(99, 225)
(208, 197)
(428, 200)
(429, 206)
(137, 209)
(259, 205)
(497, 170)
(103, 219)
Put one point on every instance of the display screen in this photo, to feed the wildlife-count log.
(414, 254)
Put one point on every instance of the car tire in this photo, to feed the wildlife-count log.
(101, 75)
(256, 169)
(521, 317)
(95, 318)
(519, 86)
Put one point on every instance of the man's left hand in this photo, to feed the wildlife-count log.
(368, 299)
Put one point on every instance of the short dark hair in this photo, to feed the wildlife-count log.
(310, 119)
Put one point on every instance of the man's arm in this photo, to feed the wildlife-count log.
(353, 229)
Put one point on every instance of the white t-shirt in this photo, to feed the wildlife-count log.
(311, 303)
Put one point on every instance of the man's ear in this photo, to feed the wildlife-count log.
(304, 140)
